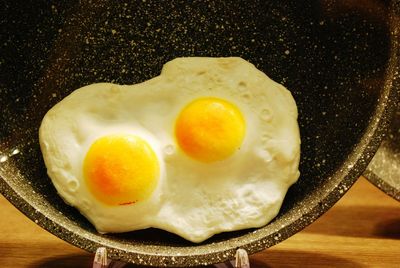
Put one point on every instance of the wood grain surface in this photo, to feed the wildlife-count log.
(361, 230)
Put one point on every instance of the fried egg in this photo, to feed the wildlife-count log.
(208, 146)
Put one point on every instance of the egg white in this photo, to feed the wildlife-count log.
(193, 199)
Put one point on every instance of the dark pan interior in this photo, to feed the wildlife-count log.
(338, 58)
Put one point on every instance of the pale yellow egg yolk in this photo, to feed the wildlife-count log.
(210, 129)
(121, 169)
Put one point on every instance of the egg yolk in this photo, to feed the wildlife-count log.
(210, 129)
(121, 169)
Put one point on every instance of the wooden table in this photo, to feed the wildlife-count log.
(361, 230)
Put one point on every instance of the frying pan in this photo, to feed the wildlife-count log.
(340, 60)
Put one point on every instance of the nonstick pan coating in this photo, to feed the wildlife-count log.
(338, 58)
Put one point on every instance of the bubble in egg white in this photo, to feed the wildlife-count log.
(266, 114)
(242, 87)
(73, 185)
(169, 149)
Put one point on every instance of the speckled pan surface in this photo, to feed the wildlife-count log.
(384, 169)
(338, 58)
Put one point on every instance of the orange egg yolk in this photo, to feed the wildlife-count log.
(210, 129)
(121, 169)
